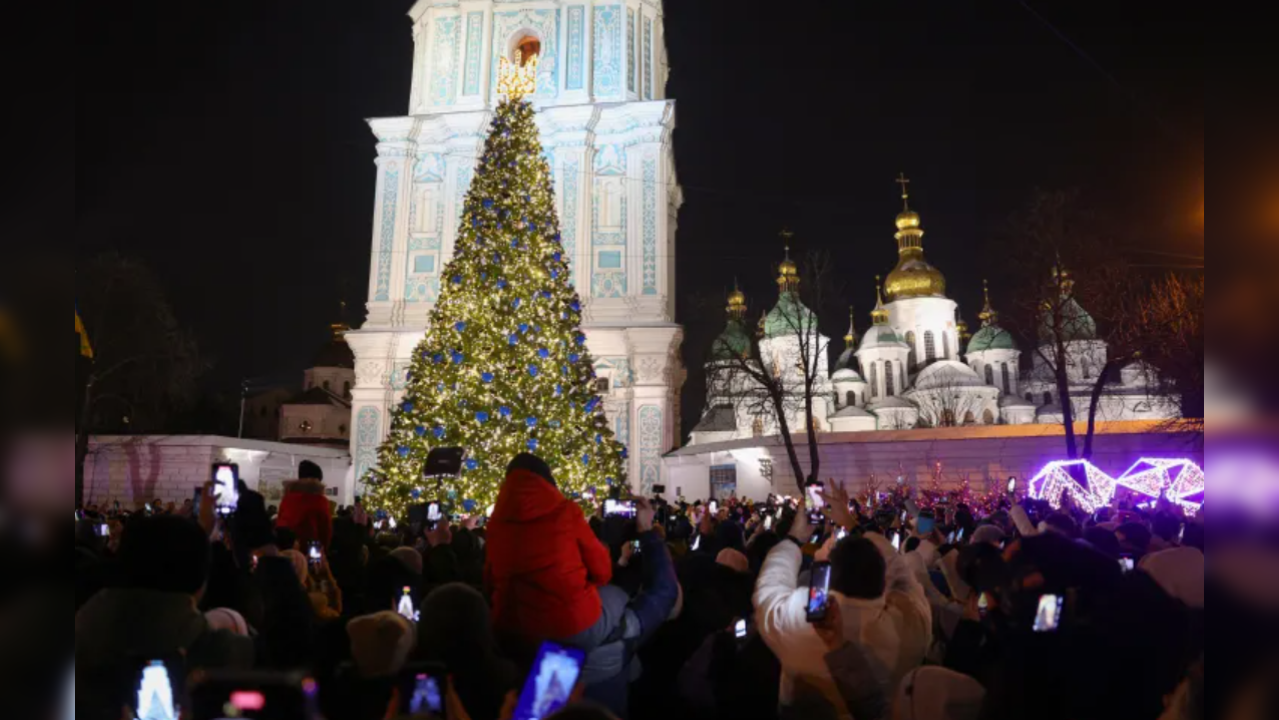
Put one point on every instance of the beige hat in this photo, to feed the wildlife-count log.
(381, 643)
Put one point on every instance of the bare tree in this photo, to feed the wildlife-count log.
(145, 364)
(1095, 315)
(779, 375)
(948, 403)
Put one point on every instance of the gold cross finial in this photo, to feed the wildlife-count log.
(904, 182)
(786, 235)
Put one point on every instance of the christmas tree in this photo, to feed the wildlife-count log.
(504, 368)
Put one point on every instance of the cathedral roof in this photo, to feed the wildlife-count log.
(1015, 401)
(891, 403)
(847, 375)
(852, 411)
(1076, 323)
(991, 337)
(913, 277)
(733, 343)
(789, 317)
(720, 419)
(882, 336)
(947, 375)
(335, 354)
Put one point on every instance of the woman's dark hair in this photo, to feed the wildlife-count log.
(858, 569)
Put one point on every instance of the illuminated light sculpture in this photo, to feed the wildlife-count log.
(1089, 487)
(1149, 477)
(1187, 487)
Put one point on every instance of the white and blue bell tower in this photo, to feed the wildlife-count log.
(606, 128)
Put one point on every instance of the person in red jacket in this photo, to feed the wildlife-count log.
(305, 510)
(544, 566)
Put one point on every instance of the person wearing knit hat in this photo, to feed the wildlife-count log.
(305, 510)
(411, 558)
(381, 643)
(988, 534)
(734, 560)
(228, 620)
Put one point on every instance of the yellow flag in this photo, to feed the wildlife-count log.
(86, 350)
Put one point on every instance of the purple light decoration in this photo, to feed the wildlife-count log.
(1181, 481)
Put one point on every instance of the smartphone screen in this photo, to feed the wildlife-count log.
(1127, 565)
(714, 508)
(635, 546)
(768, 523)
(925, 524)
(697, 543)
(897, 542)
(739, 629)
(404, 606)
(619, 508)
(814, 497)
(104, 530)
(156, 695)
(422, 692)
(983, 604)
(433, 516)
(225, 477)
(313, 554)
(1048, 617)
(1012, 485)
(841, 535)
(818, 592)
(550, 685)
(960, 537)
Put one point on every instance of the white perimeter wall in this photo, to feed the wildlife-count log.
(134, 470)
(988, 455)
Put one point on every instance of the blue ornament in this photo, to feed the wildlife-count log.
(546, 294)
(415, 494)
(488, 203)
(581, 340)
(420, 431)
(515, 244)
(407, 406)
(558, 257)
(531, 422)
(599, 439)
(460, 327)
(471, 464)
(625, 453)
(532, 226)
(497, 259)
(533, 371)
(586, 459)
(487, 377)
(484, 276)
(403, 451)
(574, 357)
(457, 279)
(469, 505)
(555, 274)
(504, 411)
(458, 358)
(501, 284)
(475, 222)
(557, 237)
(577, 306)
(515, 303)
(544, 353)
(559, 390)
(515, 339)
(439, 433)
(523, 328)
(591, 404)
(482, 416)
(439, 358)
(532, 444)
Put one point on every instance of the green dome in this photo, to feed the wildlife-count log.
(991, 337)
(789, 317)
(733, 343)
(1076, 324)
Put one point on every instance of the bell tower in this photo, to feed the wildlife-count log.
(606, 129)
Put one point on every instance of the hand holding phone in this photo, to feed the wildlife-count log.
(819, 592)
(1048, 616)
(550, 686)
(423, 689)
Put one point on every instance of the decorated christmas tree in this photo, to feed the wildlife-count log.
(503, 368)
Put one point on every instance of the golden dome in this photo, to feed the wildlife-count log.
(737, 302)
(788, 271)
(914, 277)
(908, 220)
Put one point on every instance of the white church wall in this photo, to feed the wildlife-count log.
(138, 469)
(915, 317)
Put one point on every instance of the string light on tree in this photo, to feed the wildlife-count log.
(503, 368)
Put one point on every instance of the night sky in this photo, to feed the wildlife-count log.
(227, 147)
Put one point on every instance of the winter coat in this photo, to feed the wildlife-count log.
(306, 511)
(543, 564)
(894, 630)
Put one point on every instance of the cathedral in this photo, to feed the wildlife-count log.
(606, 129)
(916, 367)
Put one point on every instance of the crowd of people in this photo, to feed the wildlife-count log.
(818, 606)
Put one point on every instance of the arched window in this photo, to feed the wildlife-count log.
(948, 418)
(988, 417)
(914, 353)
(889, 379)
(1008, 379)
(1048, 398)
(757, 428)
(326, 385)
(990, 375)
(526, 48)
(930, 347)
(874, 380)
(970, 419)
(851, 399)
(945, 343)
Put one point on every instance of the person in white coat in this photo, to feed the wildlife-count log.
(881, 600)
